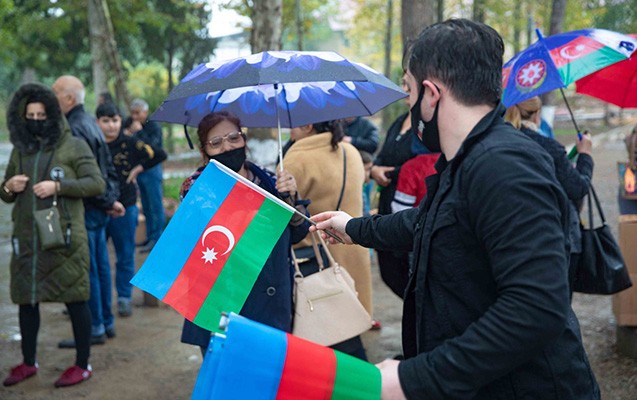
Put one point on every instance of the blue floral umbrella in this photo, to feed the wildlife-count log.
(279, 89)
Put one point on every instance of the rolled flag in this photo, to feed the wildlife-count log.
(212, 251)
(255, 361)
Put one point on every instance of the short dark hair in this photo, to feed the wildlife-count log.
(213, 119)
(335, 127)
(466, 56)
(107, 110)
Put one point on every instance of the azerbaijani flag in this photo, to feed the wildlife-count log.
(255, 361)
(557, 61)
(212, 251)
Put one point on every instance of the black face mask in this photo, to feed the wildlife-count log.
(233, 159)
(35, 127)
(427, 132)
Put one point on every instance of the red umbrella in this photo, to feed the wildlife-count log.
(615, 84)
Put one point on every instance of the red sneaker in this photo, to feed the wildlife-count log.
(376, 325)
(73, 376)
(20, 373)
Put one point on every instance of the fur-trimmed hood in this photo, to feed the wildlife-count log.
(16, 120)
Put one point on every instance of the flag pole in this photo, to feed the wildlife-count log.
(270, 196)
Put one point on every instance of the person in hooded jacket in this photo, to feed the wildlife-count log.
(47, 164)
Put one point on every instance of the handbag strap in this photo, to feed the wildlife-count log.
(317, 253)
(340, 196)
(593, 194)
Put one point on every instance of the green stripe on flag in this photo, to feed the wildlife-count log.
(234, 283)
(588, 64)
(355, 379)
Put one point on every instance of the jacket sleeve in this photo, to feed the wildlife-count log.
(8, 174)
(89, 181)
(393, 232)
(518, 213)
(575, 181)
(368, 138)
(147, 155)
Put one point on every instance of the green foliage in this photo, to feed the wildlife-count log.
(172, 186)
(148, 81)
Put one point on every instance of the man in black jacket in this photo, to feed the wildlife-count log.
(70, 93)
(486, 312)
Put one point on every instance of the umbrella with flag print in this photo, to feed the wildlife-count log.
(279, 89)
(557, 61)
(616, 84)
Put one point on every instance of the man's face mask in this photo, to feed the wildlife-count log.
(427, 132)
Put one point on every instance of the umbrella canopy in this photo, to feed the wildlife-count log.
(616, 84)
(279, 88)
(557, 61)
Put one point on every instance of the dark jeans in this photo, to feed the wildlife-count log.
(152, 193)
(100, 272)
(122, 231)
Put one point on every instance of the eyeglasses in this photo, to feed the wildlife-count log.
(217, 141)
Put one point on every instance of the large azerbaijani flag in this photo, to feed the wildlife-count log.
(557, 61)
(255, 361)
(212, 251)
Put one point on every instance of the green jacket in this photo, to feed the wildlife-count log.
(62, 274)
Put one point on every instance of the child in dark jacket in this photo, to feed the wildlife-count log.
(131, 156)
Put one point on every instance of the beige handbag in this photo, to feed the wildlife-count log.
(326, 308)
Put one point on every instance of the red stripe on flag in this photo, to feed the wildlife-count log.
(308, 373)
(573, 50)
(214, 246)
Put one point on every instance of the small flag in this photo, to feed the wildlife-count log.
(255, 361)
(212, 251)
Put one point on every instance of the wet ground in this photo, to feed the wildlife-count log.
(147, 361)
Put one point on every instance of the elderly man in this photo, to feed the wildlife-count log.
(150, 181)
(97, 210)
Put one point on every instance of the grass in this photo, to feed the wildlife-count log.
(172, 186)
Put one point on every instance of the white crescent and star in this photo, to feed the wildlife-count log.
(209, 255)
(571, 53)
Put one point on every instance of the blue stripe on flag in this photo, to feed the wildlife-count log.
(173, 248)
(252, 363)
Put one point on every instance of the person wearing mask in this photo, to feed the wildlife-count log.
(270, 301)
(575, 181)
(48, 168)
(330, 174)
(486, 313)
(70, 93)
(150, 181)
(130, 157)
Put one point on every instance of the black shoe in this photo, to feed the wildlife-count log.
(148, 247)
(70, 343)
(142, 244)
(110, 332)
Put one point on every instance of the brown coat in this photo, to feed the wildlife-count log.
(318, 171)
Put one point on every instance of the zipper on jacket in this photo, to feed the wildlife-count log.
(34, 259)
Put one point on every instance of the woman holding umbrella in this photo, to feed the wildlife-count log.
(525, 116)
(270, 301)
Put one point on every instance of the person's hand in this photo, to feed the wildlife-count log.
(335, 221)
(584, 145)
(390, 384)
(379, 174)
(118, 210)
(347, 139)
(285, 182)
(132, 175)
(44, 189)
(17, 183)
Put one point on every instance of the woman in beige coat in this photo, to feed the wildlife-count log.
(316, 160)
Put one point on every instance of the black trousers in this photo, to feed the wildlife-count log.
(80, 314)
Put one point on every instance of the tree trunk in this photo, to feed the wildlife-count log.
(299, 24)
(170, 142)
(386, 115)
(440, 8)
(101, 12)
(97, 33)
(266, 25)
(478, 10)
(556, 25)
(517, 26)
(266, 35)
(415, 15)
